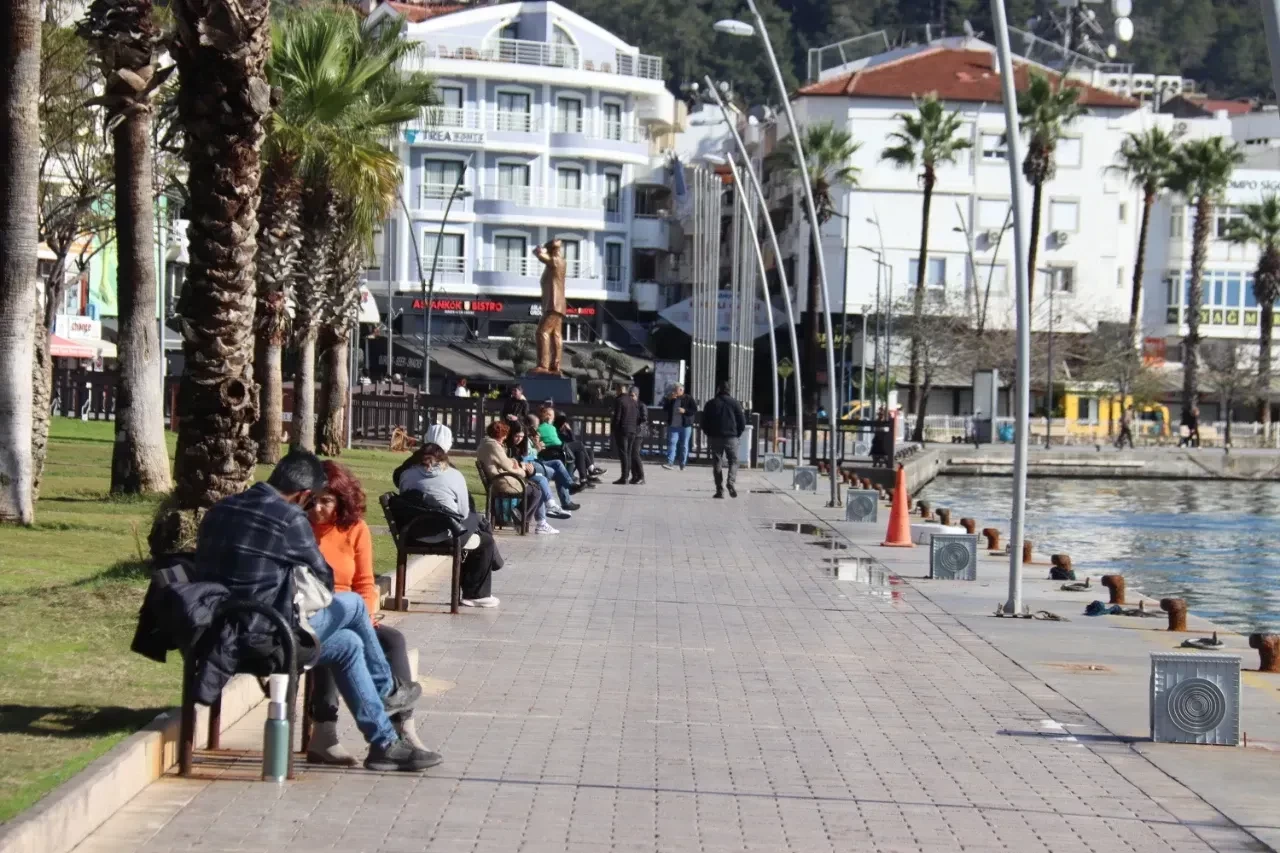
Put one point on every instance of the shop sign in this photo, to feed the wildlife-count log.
(444, 137)
(460, 306)
(535, 310)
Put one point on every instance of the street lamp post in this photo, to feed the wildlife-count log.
(777, 260)
(1013, 606)
(740, 28)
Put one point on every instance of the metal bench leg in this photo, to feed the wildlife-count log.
(187, 723)
(455, 583)
(215, 723)
(402, 569)
(308, 692)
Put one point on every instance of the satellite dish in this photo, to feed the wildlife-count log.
(968, 29)
(1122, 8)
(1124, 29)
(1111, 51)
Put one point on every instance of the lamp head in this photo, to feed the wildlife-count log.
(732, 27)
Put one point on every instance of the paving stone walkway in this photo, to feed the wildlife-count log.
(672, 674)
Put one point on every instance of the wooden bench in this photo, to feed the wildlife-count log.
(519, 510)
(430, 533)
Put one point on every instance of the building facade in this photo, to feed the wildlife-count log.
(544, 128)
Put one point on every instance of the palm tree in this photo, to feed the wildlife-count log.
(1261, 227)
(1200, 173)
(1146, 158)
(928, 139)
(1045, 111)
(828, 150)
(19, 181)
(124, 35)
(344, 97)
(224, 101)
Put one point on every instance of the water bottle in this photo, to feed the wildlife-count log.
(275, 732)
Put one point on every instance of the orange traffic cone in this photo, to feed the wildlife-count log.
(899, 533)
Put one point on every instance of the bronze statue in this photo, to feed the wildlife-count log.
(550, 342)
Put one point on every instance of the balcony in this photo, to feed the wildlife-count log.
(436, 197)
(615, 278)
(448, 117)
(511, 121)
(651, 232)
(530, 267)
(538, 53)
(449, 269)
(498, 197)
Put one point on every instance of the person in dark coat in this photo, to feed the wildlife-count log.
(515, 407)
(629, 416)
(253, 543)
(680, 409)
(724, 422)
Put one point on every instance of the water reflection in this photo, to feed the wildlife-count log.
(1212, 543)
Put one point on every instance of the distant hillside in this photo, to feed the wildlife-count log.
(1218, 43)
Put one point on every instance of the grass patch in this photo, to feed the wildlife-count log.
(70, 588)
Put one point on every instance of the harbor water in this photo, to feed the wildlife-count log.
(1214, 543)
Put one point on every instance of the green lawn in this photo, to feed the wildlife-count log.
(70, 588)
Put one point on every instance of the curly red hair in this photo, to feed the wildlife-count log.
(344, 486)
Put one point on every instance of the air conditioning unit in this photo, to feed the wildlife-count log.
(862, 448)
(1060, 238)
(992, 236)
(861, 505)
(953, 557)
(772, 463)
(1195, 698)
(805, 479)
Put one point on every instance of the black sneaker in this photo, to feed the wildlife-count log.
(403, 698)
(733, 493)
(621, 482)
(599, 472)
(400, 755)
(571, 507)
(719, 494)
(575, 488)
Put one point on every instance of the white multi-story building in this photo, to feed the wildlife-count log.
(545, 117)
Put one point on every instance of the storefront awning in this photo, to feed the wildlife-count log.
(63, 348)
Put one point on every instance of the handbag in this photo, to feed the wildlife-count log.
(309, 595)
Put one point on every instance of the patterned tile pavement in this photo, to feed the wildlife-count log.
(673, 674)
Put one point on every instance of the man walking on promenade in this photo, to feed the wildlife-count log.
(723, 423)
(1126, 429)
(680, 408)
(628, 416)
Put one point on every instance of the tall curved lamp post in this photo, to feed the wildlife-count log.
(782, 273)
(745, 30)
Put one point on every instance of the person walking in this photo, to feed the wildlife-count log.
(723, 423)
(679, 408)
(628, 416)
(1126, 429)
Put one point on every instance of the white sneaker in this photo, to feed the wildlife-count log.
(545, 529)
(557, 512)
(487, 601)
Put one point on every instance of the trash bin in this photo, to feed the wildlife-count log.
(744, 447)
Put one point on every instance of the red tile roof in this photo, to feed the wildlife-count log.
(416, 13)
(1233, 108)
(955, 74)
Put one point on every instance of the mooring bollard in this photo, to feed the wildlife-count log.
(1114, 585)
(1268, 646)
(1061, 570)
(970, 525)
(993, 538)
(944, 516)
(1026, 551)
(1177, 610)
(926, 510)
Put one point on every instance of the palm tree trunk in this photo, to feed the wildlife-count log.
(332, 432)
(1264, 361)
(269, 372)
(279, 236)
(139, 458)
(302, 432)
(1195, 296)
(42, 373)
(1033, 245)
(917, 308)
(223, 102)
(19, 178)
(1139, 269)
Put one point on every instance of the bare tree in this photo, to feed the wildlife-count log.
(1231, 372)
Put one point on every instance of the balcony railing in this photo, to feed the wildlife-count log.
(577, 199)
(512, 120)
(539, 197)
(459, 117)
(437, 195)
(568, 124)
(531, 267)
(615, 278)
(521, 52)
(449, 269)
(622, 132)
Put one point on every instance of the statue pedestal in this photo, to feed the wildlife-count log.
(539, 387)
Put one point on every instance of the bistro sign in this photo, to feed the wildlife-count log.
(448, 137)
(460, 306)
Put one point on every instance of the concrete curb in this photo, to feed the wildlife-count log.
(66, 816)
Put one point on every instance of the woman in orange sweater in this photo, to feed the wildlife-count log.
(337, 519)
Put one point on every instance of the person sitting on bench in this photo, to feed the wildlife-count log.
(442, 487)
(255, 544)
(495, 463)
(522, 446)
(570, 451)
(337, 520)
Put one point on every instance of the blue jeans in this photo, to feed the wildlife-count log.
(349, 646)
(678, 438)
(542, 483)
(556, 471)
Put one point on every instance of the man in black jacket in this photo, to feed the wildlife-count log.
(680, 409)
(723, 423)
(629, 416)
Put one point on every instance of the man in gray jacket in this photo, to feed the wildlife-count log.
(723, 423)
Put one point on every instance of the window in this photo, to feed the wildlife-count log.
(1064, 216)
(569, 187)
(568, 115)
(992, 213)
(1224, 217)
(439, 177)
(577, 333)
(613, 262)
(449, 112)
(1250, 298)
(613, 121)
(514, 112)
(1171, 290)
(994, 148)
(511, 30)
(1062, 279)
(571, 250)
(1177, 222)
(378, 245)
(997, 275)
(513, 182)
(935, 272)
(1068, 152)
(1124, 212)
(510, 254)
(451, 255)
(565, 53)
(613, 195)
